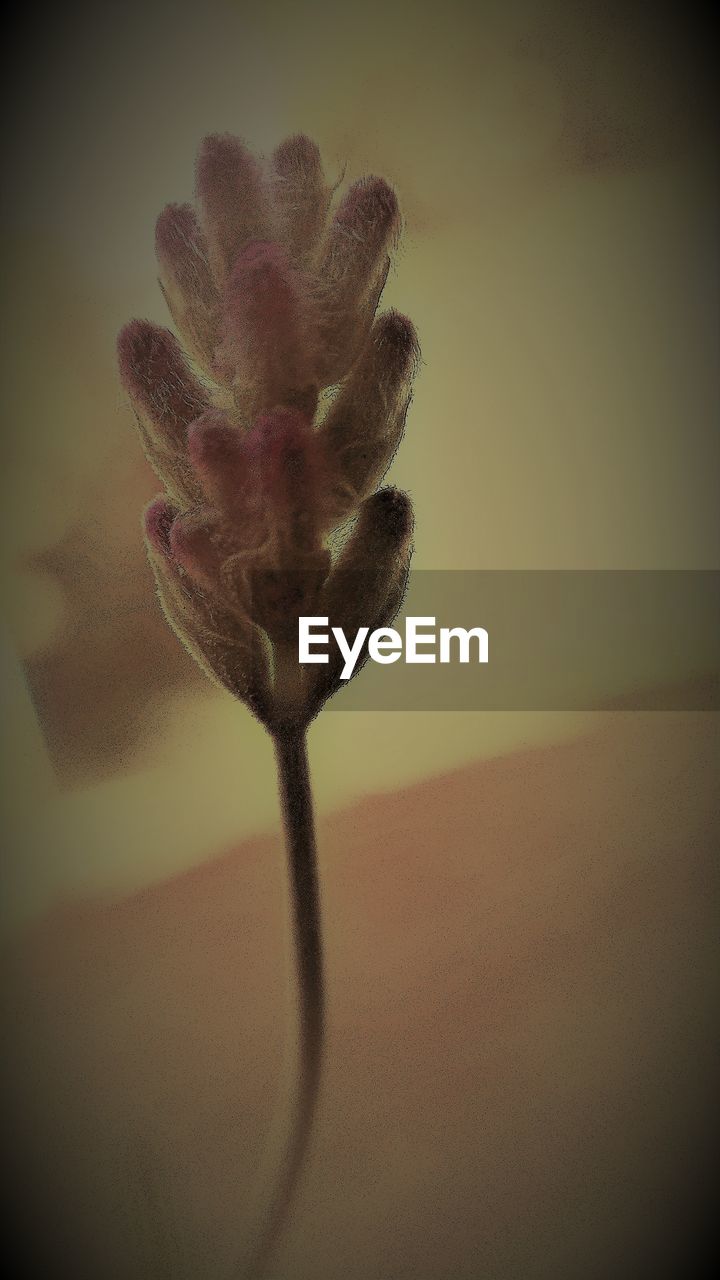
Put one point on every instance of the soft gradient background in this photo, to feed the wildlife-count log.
(556, 168)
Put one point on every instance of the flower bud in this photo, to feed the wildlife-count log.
(157, 520)
(232, 199)
(352, 270)
(186, 281)
(269, 333)
(199, 543)
(225, 643)
(366, 586)
(285, 456)
(218, 454)
(165, 397)
(365, 423)
(273, 311)
(300, 193)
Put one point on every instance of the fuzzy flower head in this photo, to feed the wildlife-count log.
(273, 293)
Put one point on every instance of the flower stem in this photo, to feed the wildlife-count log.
(299, 825)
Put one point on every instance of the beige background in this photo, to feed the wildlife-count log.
(520, 910)
(555, 171)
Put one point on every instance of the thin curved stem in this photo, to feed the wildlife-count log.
(299, 825)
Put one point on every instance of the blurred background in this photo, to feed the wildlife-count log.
(556, 173)
(556, 167)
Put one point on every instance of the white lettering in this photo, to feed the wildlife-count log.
(385, 638)
(385, 645)
(463, 638)
(413, 638)
(350, 654)
(305, 639)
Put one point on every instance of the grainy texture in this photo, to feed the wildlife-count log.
(522, 981)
